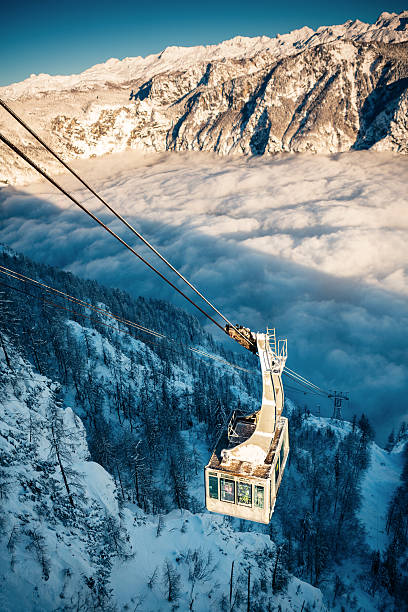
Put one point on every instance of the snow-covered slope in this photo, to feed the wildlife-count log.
(328, 90)
(66, 544)
(199, 550)
(150, 415)
(54, 546)
(97, 556)
(379, 485)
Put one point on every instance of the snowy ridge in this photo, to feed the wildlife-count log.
(378, 487)
(201, 548)
(389, 28)
(338, 88)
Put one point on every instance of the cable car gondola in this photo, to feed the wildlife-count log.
(245, 470)
(246, 467)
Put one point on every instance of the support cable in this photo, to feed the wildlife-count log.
(298, 378)
(294, 376)
(299, 381)
(14, 148)
(302, 391)
(117, 215)
(146, 330)
(42, 286)
(288, 370)
(291, 373)
(75, 300)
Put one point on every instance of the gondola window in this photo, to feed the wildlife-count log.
(213, 486)
(282, 452)
(244, 493)
(259, 497)
(227, 490)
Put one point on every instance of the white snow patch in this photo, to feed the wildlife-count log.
(247, 452)
(378, 487)
(210, 537)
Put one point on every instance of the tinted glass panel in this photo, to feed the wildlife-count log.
(282, 453)
(259, 497)
(244, 493)
(227, 490)
(277, 468)
(213, 487)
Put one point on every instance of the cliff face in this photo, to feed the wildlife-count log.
(325, 99)
(327, 91)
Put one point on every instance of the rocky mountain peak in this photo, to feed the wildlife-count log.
(333, 89)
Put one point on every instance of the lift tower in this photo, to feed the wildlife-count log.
(338, 398)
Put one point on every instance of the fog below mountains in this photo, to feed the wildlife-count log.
(315, 246)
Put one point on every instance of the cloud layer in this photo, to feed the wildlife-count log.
(313, 245)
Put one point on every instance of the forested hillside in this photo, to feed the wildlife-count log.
(151, 410)
(129, 388)
(391, 570)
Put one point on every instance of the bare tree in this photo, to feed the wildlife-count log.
(160, 525)
(8, 324)
(153, 578)
(37, 544)
(171, 581)
(58, 443)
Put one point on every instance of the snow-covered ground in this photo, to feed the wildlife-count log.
(378, 487)
(187, 540)
(52, 556)
(379, 483)
(47, 549)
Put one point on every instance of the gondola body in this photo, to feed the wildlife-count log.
(245, 471)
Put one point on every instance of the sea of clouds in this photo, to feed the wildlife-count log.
(315, 246)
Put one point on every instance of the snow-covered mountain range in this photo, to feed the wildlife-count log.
(329, 90)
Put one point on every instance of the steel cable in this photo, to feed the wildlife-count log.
(298, 378)
(304, 379)
(117, 215)
(319, 392)
(18, 151)
(124, 322)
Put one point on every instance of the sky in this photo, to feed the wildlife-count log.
(68, 37)
(313, 245)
